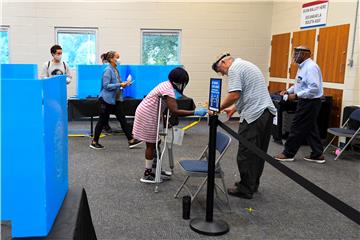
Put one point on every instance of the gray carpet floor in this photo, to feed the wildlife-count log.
(124, 208)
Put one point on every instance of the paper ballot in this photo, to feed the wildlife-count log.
(275, 120)
(176, 137)
(129, 78)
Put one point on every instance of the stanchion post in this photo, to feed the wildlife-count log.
(211, 168)
(209, 226)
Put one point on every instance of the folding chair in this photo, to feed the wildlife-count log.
(345, 131)
(199, 167)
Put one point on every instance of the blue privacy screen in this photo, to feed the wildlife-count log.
(34, 156)
(145, 78)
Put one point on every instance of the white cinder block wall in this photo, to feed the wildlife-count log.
(244, 29)
(286, 18)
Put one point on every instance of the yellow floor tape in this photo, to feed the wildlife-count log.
(84, 135)
(191, 124)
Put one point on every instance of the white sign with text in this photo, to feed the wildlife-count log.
(314, 14)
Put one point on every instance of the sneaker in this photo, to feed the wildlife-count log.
(134, 142)
(165, 175)
(96, 146)
(320, 159)
(283, 158)
(149, 178)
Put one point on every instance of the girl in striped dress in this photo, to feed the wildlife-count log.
(146, 115)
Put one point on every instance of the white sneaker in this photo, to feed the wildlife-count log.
(320, 159)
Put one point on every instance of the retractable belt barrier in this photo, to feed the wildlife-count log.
(334, 202)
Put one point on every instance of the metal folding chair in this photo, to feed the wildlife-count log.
(199, 167)
(345, 131)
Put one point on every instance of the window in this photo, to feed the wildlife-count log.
(160, 47)
(78, 45)
(4, 44)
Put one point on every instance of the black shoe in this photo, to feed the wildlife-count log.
(96, 146)
(149, 177)
(236, 193)
(134, 142)
(237, 184)
(165, 175)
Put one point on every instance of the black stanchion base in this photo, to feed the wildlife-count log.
(214, 228)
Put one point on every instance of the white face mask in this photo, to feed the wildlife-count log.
(118, 62)
(57, 57)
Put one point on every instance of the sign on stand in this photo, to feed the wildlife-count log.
(215, 94)
(209, 226)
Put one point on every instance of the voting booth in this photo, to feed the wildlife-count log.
(144, 77)
(34, 149)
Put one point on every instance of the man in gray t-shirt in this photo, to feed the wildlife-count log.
(56, 66)
(248, 95)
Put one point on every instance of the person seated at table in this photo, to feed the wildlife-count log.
(146, 115)
(111, 101)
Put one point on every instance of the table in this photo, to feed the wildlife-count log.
(89, 107)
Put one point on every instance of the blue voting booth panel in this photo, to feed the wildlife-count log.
(89, 79)
(56, 145)
(147, 77)
(19, 71)
(34, 171)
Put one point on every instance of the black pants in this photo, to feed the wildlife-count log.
(304, 127)
(250, 166)
(104, 113)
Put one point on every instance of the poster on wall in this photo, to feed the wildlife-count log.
(314, 14)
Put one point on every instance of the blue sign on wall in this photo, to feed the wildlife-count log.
(215, 94)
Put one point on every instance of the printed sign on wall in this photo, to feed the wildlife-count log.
(314, 14)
